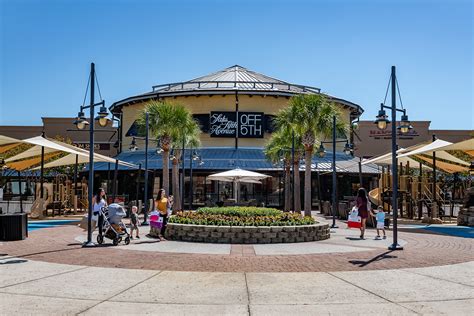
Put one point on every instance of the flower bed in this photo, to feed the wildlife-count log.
(240, 216)
(243, 225)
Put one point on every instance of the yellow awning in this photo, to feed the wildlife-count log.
(28, 163)
(447, 167)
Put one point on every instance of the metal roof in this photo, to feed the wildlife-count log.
(228, 81)
(245, 158)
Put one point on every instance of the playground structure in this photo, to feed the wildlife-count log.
(419, 195)
(60, 196)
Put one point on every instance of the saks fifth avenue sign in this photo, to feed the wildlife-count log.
(225, 124)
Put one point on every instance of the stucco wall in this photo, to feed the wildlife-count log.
(204, 104)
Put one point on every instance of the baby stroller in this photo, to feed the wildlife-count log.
(112, 227)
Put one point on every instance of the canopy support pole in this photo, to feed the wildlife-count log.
(115, 182)
(108, 177)
(21, 191)
(138, 183)
(190, 178)
(360, 173)
(42, 172)
(334, 176)
(434, 180)
(181, 187)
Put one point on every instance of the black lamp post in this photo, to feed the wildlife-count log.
(193, 156)
(134, 147)
(322, 152)
(404, 127)
(81, 123)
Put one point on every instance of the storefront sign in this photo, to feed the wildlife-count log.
(387, 134)
(86, 146)
(225, 124)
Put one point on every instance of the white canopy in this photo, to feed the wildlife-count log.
(4, 140)
(387, 161)
(427, 149)
(236, 176)
(439, 146)
(465, 145)
(51, 146)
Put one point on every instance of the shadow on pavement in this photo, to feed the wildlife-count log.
(363, 263)
(14, 261)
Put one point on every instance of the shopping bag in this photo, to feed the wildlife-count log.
(354, 220)
(156, 220)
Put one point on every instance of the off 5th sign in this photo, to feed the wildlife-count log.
(224, 124)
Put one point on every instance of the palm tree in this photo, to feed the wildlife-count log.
(278, 150)
(167, 121)
(190, 136)
(310, 117)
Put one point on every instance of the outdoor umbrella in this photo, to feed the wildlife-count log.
(236, 176)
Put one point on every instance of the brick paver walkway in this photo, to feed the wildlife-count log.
(58, 245)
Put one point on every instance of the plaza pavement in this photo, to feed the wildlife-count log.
(50, 274)
(32, 287)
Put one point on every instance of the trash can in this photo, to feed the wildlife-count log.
(13, 226)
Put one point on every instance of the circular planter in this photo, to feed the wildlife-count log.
(245, 234)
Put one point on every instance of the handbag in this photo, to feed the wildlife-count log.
(354, 220)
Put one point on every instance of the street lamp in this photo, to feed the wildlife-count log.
(81, 123)
(381, 121)
(322, 152)
(133, 147)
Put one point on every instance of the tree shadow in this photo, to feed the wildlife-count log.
(13, 261)
(382, 256)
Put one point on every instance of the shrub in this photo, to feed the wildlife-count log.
(239, 211)
(202, 217)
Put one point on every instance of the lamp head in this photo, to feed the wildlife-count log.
(102, 116)
(81, 121)
(321, 150)
(404, 126)
(347, 148)
(133, 145)
(381, 119)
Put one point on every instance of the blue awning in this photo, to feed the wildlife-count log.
(217, 159)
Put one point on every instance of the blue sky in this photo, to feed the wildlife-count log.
(344, 47)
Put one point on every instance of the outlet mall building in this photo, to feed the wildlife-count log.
(234, 108)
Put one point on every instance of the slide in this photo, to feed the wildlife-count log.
(374, 196)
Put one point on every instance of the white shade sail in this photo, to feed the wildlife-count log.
(427, 149)
(5, 140)
(465, 145)
(51, 146)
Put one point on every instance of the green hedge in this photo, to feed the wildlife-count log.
(201, 218)
(239, 211)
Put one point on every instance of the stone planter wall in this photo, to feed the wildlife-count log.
(245, 234)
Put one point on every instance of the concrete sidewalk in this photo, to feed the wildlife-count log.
(31, 287)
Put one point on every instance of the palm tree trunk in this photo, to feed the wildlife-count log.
(297, 188)
(166, 170)
(307, 183)
(175, 182)
(287, 188)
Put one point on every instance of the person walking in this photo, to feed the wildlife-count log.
(362, 207)
(98, 203)
(163, 204)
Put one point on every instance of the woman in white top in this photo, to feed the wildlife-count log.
(98, 202)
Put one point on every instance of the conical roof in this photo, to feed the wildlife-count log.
(235, 78)
(229, 81)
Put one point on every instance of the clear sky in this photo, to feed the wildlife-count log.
(345, 48)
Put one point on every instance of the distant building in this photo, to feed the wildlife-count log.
(369, 141)
(62, 127)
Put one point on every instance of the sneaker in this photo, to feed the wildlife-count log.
(131, 237)
(377, 238)
(138, 237)
(384, 237)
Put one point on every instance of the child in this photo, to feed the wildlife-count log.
(134, 222)
(380, 217)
